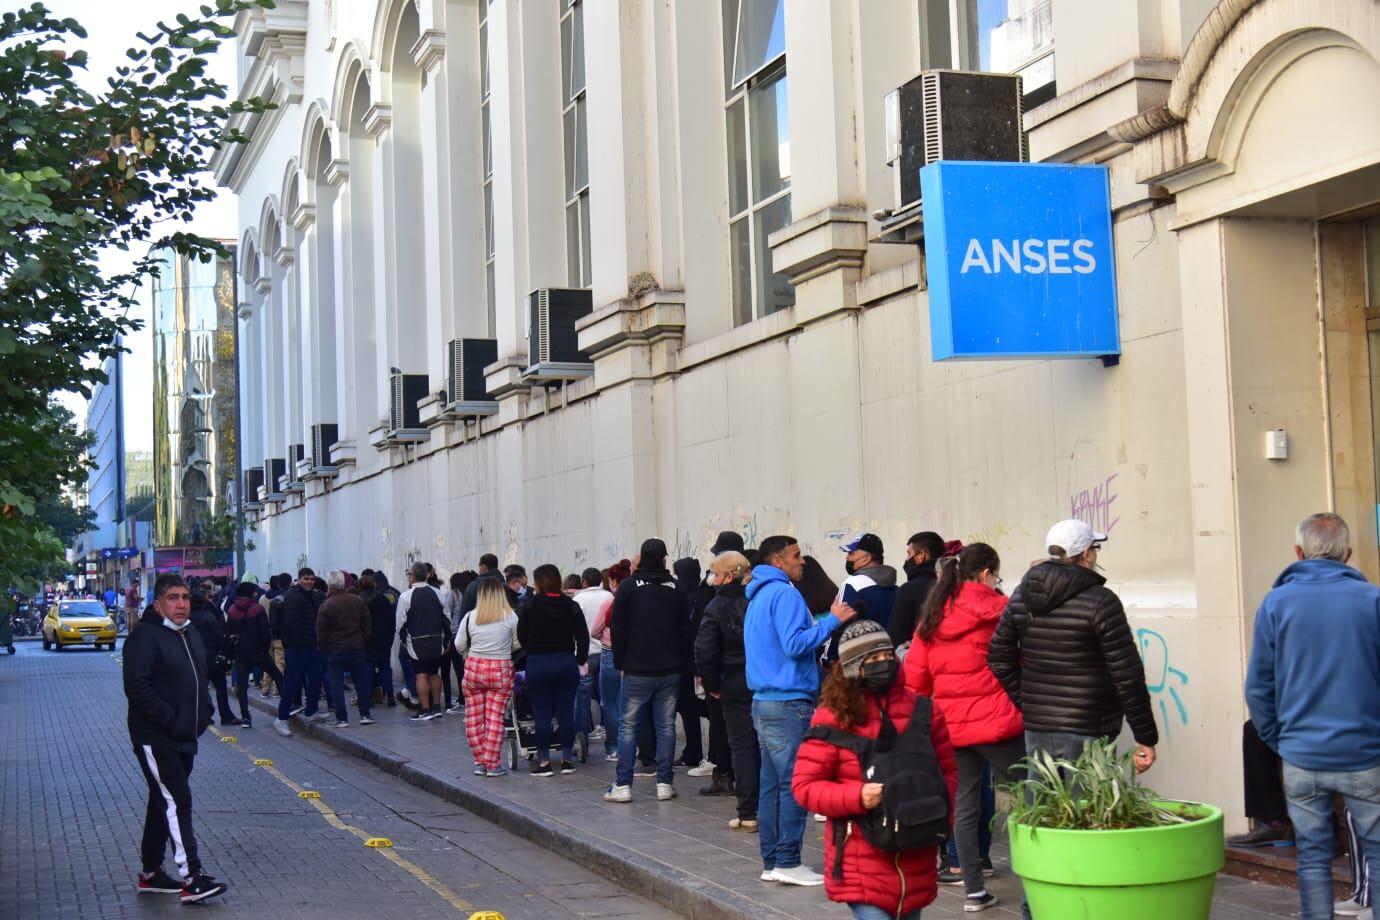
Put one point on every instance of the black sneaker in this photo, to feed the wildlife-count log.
(201, 887)
(542, 769)
(225, 723)
(417, 716)
(974, 903)
(988, 870)
(432, 713)
(158, 882)
(950, 875)
(567, 767)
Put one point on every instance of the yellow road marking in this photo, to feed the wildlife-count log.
(411, 868)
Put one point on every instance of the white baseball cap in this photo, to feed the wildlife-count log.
(1073, 537)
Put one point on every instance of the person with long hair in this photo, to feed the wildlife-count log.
(861, 695)
(948, 662)
(485, 640)
(552, 629)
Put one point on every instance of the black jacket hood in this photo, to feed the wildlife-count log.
(1050, 585)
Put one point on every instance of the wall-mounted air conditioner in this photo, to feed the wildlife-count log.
(323, 435)
(553, 351)
(253, 483)
(947, 115)
(404, 421)
(292, 481)
(466, 394)
(275, 468)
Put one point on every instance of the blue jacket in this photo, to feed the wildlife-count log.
(1313, 682)
(780, 638)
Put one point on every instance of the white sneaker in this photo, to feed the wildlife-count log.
(281, 725)
(820, 819)
(1348, 908)
(665, 791)
(798, 875)
(768, 875)
(704, 769)
(611, 758)
(617, 793)
(598, 734)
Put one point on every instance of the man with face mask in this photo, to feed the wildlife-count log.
(165, 682)
(923, 550)
(870, 587)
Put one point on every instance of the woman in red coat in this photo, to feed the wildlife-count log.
(948, 662)
(828, 779)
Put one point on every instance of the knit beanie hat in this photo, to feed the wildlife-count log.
(859, 639)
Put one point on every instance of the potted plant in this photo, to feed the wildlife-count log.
(1090, 842)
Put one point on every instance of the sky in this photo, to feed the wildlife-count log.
(111, 28)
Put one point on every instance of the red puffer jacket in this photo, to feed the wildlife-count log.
(951, 667)
(828, 781)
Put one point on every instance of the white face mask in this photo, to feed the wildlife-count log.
(173, 626)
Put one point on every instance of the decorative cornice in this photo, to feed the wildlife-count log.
(245, 310)
(303, 216)
(429, 50)
(378, 119)
(652, 317)
(829, 239)
(285, 256)
(263, 286)
(337, 172)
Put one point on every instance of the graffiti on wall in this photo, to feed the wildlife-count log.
(1162, 679)
(1094, 506)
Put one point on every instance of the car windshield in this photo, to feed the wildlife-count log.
(82, 609)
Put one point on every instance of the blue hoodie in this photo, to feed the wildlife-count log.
(780, 638)
(1313, 682)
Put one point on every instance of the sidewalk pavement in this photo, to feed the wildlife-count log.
(680, 853)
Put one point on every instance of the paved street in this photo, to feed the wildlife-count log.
(72, 803)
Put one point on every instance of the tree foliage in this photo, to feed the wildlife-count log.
(81, 173)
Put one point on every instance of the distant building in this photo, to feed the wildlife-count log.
(195, 403)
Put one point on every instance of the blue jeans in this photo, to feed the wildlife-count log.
(1062, 745)
(639, 693)
(551, 681)
(584, 715)
(781, 727)
(610, 702)
(872, 912)
(358, 666)
(1309, 794)
(301, 664)
(409, 681)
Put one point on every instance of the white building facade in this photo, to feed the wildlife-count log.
(709, 172)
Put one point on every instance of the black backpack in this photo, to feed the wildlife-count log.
(914, 811)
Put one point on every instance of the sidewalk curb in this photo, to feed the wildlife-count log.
(658, 882)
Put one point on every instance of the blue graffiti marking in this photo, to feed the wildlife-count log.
(1158, 671)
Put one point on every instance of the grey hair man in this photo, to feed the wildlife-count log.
(1313, 688)
(342, 633)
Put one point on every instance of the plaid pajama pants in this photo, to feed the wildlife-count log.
(488, 685)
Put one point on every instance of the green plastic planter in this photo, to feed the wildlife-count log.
(1156, 873)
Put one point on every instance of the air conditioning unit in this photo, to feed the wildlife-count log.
(466, 393)
(404, 421)
(275, 469)
(253, 482)
(292, 479)
(323, 436)
(950, 115)
(553, 351)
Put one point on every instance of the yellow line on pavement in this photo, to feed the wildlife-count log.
(411, 868)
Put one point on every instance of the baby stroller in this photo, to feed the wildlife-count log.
(520, 729)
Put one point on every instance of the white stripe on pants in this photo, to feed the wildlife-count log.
(174, 829)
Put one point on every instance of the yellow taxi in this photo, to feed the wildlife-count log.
(78, 622)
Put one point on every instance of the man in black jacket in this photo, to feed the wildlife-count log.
(649, 627)
(250, 640)
(300, 604)
(1064, 652)
(923, 550)
(206, 620)
(169, 708)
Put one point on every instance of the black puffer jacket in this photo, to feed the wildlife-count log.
(299, 617)
(165, 682)
(1064, 652)
(719, 643)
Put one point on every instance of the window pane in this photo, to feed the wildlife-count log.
(761, 36)
(741, 266)
(484, 59)
(737, 159)
(586, 243)
(936, 38)
(771, 139)
(1010, 35)
(493, 298)
(488, 139)
(489, 248)
(569, 130)
(577, 48)
(581, 146)
(572, 244)
(566, 25)
(774, 291)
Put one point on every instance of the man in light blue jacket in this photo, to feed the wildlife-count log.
(1313, 688)
(781, 639)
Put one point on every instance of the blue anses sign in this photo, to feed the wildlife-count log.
(1020, 262)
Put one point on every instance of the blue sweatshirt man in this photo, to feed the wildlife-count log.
(780, 638)
(1313, 682)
